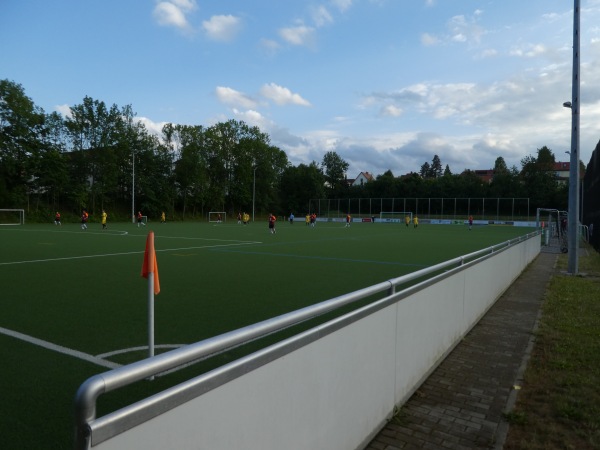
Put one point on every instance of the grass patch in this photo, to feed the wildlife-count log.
(560, 397)
(516, 417)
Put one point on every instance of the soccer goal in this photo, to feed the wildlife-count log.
(217, 216)
(12, 216)
(399, 216)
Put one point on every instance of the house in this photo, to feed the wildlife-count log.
(485, 175)
(361, 179)
(561, 170)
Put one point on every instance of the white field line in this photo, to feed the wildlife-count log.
(126, 233)
(104, 233)
(98, 359)
(60, 349)
(69, 258)
(137, 349)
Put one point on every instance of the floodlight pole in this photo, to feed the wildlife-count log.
(253, 191)
(133, 186)
(573, 215)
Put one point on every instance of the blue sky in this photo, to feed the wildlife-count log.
(387, 84)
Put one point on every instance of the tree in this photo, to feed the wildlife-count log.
(500, 166)
(539, 180)
(299, 185)
(545, 159)
(425, 170)
(335, 169)
(410, 185)
(53, 176)
(384, 186)
(505, 183)
(190, 169)
(436, 167)
(95, 130)
(21, 128)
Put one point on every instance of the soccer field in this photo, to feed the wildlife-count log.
(74, 304)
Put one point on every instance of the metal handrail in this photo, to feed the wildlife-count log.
(89, 392)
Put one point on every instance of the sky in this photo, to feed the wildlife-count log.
(386, 84)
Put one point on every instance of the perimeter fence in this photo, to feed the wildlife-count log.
(427, 208)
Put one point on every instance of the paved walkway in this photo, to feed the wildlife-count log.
(460, 405)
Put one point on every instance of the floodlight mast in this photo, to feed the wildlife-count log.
(253, 191)
(573, 215)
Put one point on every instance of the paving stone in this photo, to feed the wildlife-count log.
(461, 405)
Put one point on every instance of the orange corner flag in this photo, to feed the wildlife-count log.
(150, 266)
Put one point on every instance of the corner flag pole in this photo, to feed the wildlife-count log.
(150, 271)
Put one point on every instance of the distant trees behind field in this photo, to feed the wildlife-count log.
(97, 156)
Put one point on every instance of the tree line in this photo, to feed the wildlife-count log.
(100, 157)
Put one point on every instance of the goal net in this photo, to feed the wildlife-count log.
(217, 216)
(12, 216)
(395, 217)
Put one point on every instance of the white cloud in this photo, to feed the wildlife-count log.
(279, 135)
(429, 39)
(151, 126)
(460, 29)
(185, 5)
(488, 53)
(173, 13)
(321, 16)
(281, 95)
(269, 46)
(465, 30)
(222, 28)
(298, 35)
(232, 97)
(551, 17)
(253, 118)
(64, 110)
(391, 110)
(342, 5)
(529, 51)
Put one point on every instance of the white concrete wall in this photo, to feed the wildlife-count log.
(337, 391)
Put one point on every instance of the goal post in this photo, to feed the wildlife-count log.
(217, 216)
(12, 216)
(395, 217)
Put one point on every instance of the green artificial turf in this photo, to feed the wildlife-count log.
(82, 290)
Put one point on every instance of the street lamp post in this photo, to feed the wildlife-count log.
(253, 191)
(573, 216)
